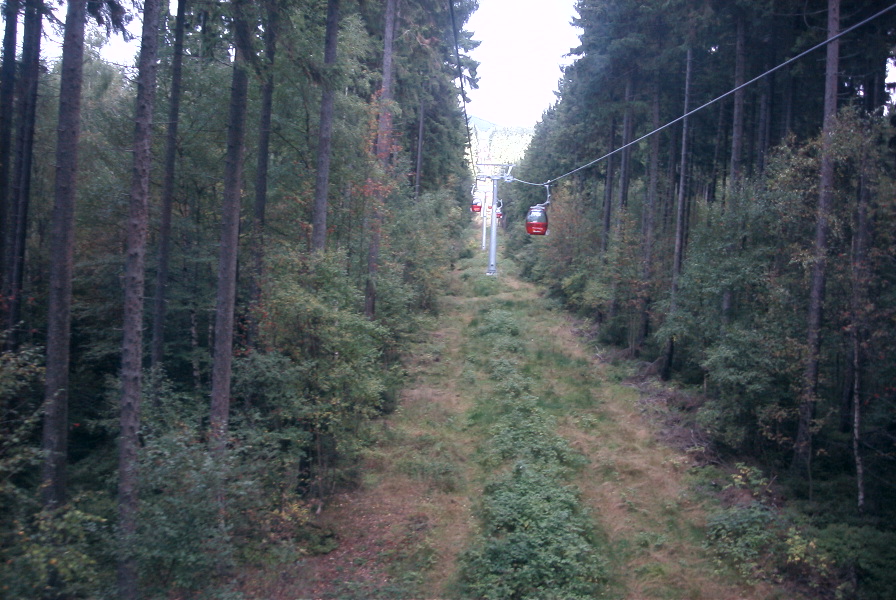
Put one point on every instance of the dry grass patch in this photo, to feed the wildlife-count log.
(636, 487)
(400, 534)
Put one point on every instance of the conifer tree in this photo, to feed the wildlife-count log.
(55, 430)
(802, 458)
(134, 277)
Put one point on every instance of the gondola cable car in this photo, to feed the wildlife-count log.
(475, 203)
(537, 220)
(537, 217)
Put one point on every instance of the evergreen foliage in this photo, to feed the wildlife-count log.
(733, 321)
(306, 384)
(306, 387)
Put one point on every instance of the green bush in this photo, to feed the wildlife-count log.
(748, 538)
(485, 286)
(20, 413)
(497, 322)
(537, 542)
(527, 433)
(184, 523)
(862, 555)
(55, 554)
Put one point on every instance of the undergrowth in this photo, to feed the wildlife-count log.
(537, 540)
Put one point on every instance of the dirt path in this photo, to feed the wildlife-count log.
(399, 534)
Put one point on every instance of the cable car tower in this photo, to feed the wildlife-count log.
(494, 172)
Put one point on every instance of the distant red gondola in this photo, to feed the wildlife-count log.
(537, 221)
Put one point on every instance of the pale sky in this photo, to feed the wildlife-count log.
(523, 46)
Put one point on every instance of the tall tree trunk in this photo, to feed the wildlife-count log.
(766, 92)
(383, 154)
(55, 424)
(419, 167)
(712, 192)
(737, 120)
(160, 300)
(227, 259)
(608, 195)
(678, 257)
(7, 95)
(802, 457)
(668, 194)
(21, 188)
(680, 223)
(858, 330)
(648, 226)
(261, 171)
(325, 134)
(134, 277)
(627, 132)
(737, 140)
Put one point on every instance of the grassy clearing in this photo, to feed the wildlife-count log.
(433, 471)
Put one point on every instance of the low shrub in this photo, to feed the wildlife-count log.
(537, 542)
(747, 537)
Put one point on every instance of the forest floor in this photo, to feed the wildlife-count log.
(400, 534)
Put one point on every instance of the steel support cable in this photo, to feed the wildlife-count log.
(527, 182)
(717, 99)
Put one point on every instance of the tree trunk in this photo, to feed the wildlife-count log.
(678, 257)
(625, 161)
(227, 259)
(325, 135)
(134, 276)
(712, 192)
(383, 152)
(859, 329)
(737, 120)
(802, 457)
(55, 424)
(419, 168)
(21, 188)
(763, 127)
(648, 227)
(261, 171)
(160, 301)
(737, 141)
(668, 194)
(7, 95)
(608, 195)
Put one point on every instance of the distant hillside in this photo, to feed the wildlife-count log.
(498, 144)
(481, 124)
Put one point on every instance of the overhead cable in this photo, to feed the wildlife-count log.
(717, 99)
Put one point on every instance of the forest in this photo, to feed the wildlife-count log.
(746, 252)
(213, 261)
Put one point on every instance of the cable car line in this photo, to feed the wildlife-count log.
(717, 99)
(527, 182)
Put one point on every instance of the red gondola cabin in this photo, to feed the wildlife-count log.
(476, 207)
(537, 221)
